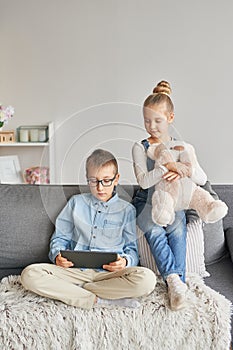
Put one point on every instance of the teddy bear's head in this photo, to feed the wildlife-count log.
(166, 152)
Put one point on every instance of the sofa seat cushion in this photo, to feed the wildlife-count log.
(221, 279)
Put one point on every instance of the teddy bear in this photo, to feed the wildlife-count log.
(171, 196)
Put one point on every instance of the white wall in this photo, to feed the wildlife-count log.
(88, 65)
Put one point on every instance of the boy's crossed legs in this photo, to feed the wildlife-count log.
(83, 288)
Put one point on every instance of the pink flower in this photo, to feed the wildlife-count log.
(5, 114)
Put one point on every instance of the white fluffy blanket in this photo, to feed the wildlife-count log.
(30, 322)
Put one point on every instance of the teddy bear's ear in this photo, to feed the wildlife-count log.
(178, 148)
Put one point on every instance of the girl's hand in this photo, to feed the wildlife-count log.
(117, 265)
(63, 262)
(171, 176)
(183, 169)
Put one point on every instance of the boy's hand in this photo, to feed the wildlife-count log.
(117, 265)
(63, 262)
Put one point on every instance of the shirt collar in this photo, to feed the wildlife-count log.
(96, 202)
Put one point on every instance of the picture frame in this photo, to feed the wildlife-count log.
(10, 171)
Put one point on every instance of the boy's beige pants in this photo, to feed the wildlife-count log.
(80, 287)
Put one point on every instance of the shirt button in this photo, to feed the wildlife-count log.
(99, 211)
(95, 226)
(94, 236)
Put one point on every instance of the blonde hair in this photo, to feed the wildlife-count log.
(161, 94)
(100, 158)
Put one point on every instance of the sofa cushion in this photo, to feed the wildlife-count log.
(225, 193)
(195, 258)
(229, 238)
(214, 242)
(28, 213)
(25, 227)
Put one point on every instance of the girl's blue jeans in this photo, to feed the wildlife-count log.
(167, 244)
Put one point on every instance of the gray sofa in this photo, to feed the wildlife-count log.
(27, 219)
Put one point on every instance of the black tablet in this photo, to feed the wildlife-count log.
(89, 259)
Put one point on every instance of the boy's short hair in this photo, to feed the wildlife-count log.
(99, 158)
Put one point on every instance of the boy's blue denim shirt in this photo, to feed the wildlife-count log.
(86, 223)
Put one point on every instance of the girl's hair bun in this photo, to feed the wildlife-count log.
(161, 94)
(162, 87)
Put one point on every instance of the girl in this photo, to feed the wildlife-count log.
(168, 244)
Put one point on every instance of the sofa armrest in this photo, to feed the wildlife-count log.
(229, 239)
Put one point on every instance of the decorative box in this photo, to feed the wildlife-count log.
(37, 175)
(7, 136)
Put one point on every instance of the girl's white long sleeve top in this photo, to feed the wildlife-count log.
(147, 178)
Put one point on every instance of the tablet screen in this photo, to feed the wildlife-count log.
(89, 259)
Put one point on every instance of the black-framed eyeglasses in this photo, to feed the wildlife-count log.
(92, 182)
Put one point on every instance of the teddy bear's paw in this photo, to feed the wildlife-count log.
(217, 210)
(162, 208)
(163, 219)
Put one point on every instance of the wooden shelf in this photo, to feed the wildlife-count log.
(32, 153)
(27, 144)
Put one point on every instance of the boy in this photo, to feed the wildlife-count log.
(98, 220)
